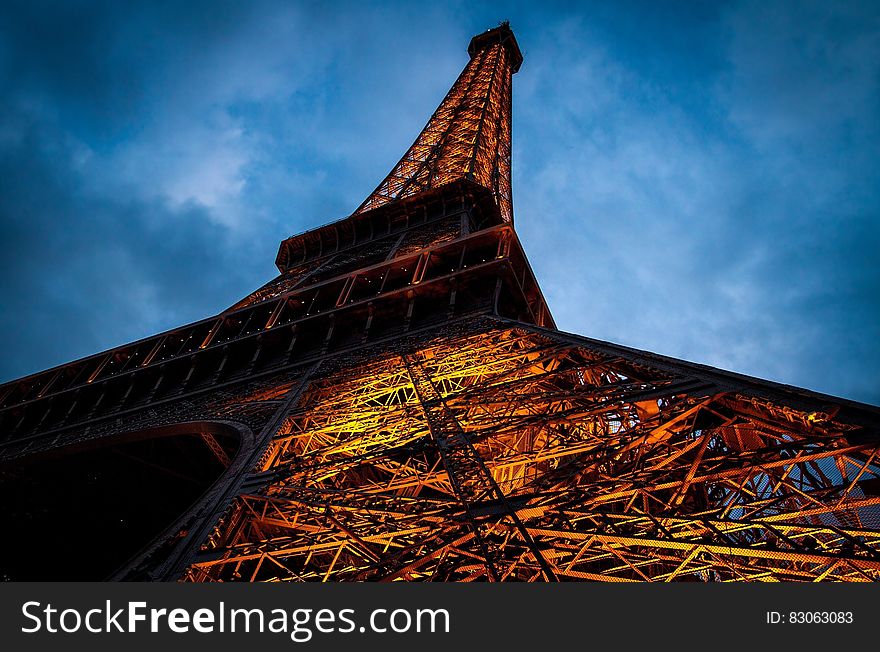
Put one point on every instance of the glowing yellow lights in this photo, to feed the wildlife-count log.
(385, 466)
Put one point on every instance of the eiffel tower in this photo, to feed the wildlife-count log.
(397, 404)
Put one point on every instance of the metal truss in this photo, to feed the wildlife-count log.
(468, 136)
(514, 454)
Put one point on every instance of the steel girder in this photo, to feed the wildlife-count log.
(515, 453)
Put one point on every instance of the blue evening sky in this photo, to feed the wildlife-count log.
(696, 179)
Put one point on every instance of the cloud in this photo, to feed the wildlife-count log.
(89, 269)
(154, 155)
(692, 226)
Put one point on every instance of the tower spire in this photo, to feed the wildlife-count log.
(468, 136)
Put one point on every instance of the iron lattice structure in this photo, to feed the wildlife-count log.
(405, 409)
(469, 135)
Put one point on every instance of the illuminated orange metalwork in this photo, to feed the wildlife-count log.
(469, 134)
(409, 411)
(508, 452)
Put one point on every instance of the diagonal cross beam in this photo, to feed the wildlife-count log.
(470, 478)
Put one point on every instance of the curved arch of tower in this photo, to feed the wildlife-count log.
(410, 412)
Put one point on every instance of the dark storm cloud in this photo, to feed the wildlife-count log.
(86, 270)
(88, 266)
(96, 62)
(697, 179)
